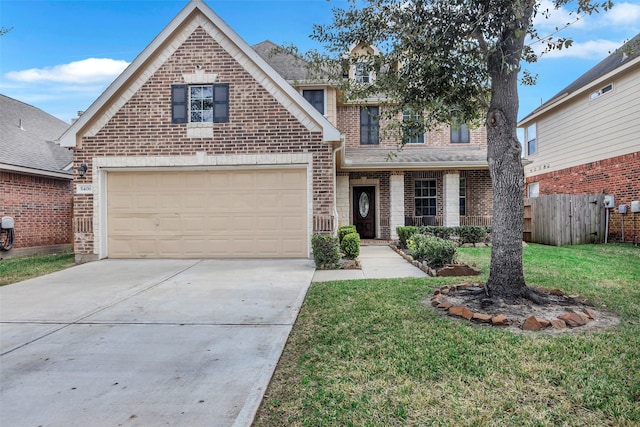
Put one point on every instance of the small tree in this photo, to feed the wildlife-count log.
(457, 60)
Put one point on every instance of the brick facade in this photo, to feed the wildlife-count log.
(258, 124)
(41, 208)
(349, 125)
(619, 176)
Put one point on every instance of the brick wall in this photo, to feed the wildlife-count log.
(258, 124)
(41, 208)
(619, 176)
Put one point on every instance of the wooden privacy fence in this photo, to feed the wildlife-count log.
(565, 219)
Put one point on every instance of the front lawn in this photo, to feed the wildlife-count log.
(369, 353)
(14, 270)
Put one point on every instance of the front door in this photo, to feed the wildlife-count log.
(364, 211)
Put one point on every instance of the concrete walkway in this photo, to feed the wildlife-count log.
(378, 262)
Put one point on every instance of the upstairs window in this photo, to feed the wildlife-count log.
(413, 130)
(531, 140)
(369, 125)
(598, 93)
(200, 103)
(315, 98)
(460, 133)
(362, 73)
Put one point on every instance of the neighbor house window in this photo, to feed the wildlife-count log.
(460, 133)
(369, 125)
(315, 98)
(200, 103)
(413, 130)
(425, 197)
(361, 73)
(598, 93)
(531, 139)
(533, 189)
(463, 196)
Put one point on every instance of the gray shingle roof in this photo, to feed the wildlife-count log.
(32, 145)
(619, 57)
(291, 67)
(419, 157)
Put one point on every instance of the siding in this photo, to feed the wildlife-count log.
(586, 130)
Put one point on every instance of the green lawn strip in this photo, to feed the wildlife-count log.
(369, 353)
(14, 270)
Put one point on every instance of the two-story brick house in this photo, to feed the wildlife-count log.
(203, 148)
(439, 177)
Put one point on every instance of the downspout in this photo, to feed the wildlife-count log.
(335, 184)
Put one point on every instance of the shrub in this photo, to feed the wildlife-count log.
(351, 245)
(344, 230)
(405, 233)
(471, 233)
(438, 231)
(326, 251)
(436, 251)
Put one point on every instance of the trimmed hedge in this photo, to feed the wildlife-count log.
(471, 233)
(405, 233)
(351, 245)
(436, 251)
(465, 233)
(326, 251)
(344, 230)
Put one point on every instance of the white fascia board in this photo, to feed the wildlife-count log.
(37, 172)
(586, 88)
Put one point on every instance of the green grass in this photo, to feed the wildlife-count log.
(14, 270)
(369, 353)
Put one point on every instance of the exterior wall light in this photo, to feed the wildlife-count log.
(82, 169)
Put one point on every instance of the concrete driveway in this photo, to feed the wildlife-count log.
(146, 342)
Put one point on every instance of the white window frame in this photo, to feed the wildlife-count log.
(602, 91)
(533, 189)
(528, 139)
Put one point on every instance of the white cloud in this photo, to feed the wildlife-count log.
(623, 14)
(592, 49)
(549, 18)
(91, 70)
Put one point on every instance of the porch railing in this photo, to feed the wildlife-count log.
(482, 221)
(323, 223)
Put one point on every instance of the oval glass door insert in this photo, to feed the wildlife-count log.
(363, 205)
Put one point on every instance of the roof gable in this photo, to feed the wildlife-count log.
(195, 14)
(27, 136)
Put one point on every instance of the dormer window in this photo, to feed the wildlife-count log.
(362, 73)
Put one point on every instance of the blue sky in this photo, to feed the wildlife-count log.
(62, 54)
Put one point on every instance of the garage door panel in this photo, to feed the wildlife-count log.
(201, 214)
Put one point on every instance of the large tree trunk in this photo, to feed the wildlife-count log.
(506, 276)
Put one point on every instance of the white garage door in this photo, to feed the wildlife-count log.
(260, 213)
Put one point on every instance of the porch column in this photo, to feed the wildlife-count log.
(451, 193)
(342, 200)
(396, 200)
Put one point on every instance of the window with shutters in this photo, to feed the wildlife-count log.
(207, 103)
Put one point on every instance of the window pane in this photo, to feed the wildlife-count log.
(425, 197)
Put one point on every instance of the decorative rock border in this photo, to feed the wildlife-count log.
(448, 270)
(571, 319)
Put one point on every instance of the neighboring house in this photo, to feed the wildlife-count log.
(35, 179)
(202, 147)
(586, 139)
